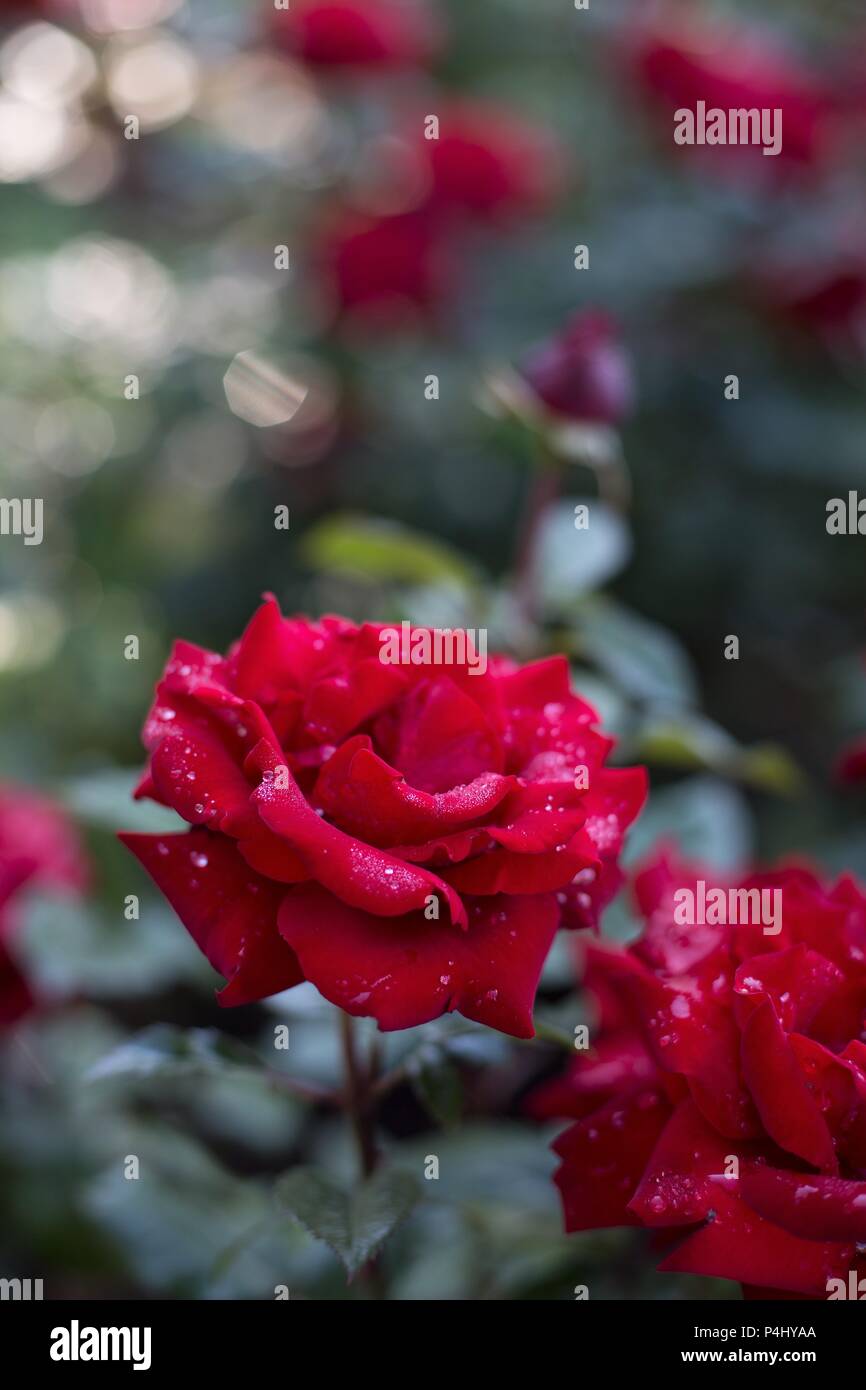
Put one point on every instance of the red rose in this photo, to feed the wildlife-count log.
(851, 767)
(490, 163)
(823, 295)
(39, 848)
(583, 372)
(681, 62)
(358, 33)
(407, 837)
(385, 270)
(726, 1104)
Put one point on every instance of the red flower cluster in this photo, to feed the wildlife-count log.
(485, 166)
(407, 837)
(38, 848)
(482, 165)
(725, 1103)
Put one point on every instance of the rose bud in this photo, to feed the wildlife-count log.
(723, 1103)
(406, 830)
(583, 372)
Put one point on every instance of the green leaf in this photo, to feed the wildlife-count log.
(69, 946)
(568, 563)
(437, 1084)
(104, 800)
(356, 1224)
(173, 1223)
(383, 550)
(642, 658)
(702, 819)
(771, 768)
(688, 740)
(166, 1051)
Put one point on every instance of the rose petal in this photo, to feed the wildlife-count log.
(229, 911)
(197, 766)
(439, 737)
(615, 1066)
(363, 876)
(810, 1206)
(603, 1157)
(366, 797)
(838, 1087)
(338, 704)
(799, 982)
(501, 871)
(403, 971)
(738, 1244)
(680, 1184)
(780, 1092)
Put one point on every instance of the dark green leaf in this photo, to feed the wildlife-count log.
(356, 1224)
(705, 819)
(166, 1051)
(437, 1084)
(643, 659)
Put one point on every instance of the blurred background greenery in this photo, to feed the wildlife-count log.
(155, 258)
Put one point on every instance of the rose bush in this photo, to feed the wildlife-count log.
(725, 1103)
(38, 848)
(407, 837)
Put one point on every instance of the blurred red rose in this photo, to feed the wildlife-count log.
(358, 33)
(725, 1106)
(388, 270)
(851, 767)
(682, 60)
(583, 372)
(490, 163)
(407, 837)
(822, 295)
(38, 848)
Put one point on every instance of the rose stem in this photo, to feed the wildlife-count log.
(359, 1100)
(358, 1097)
